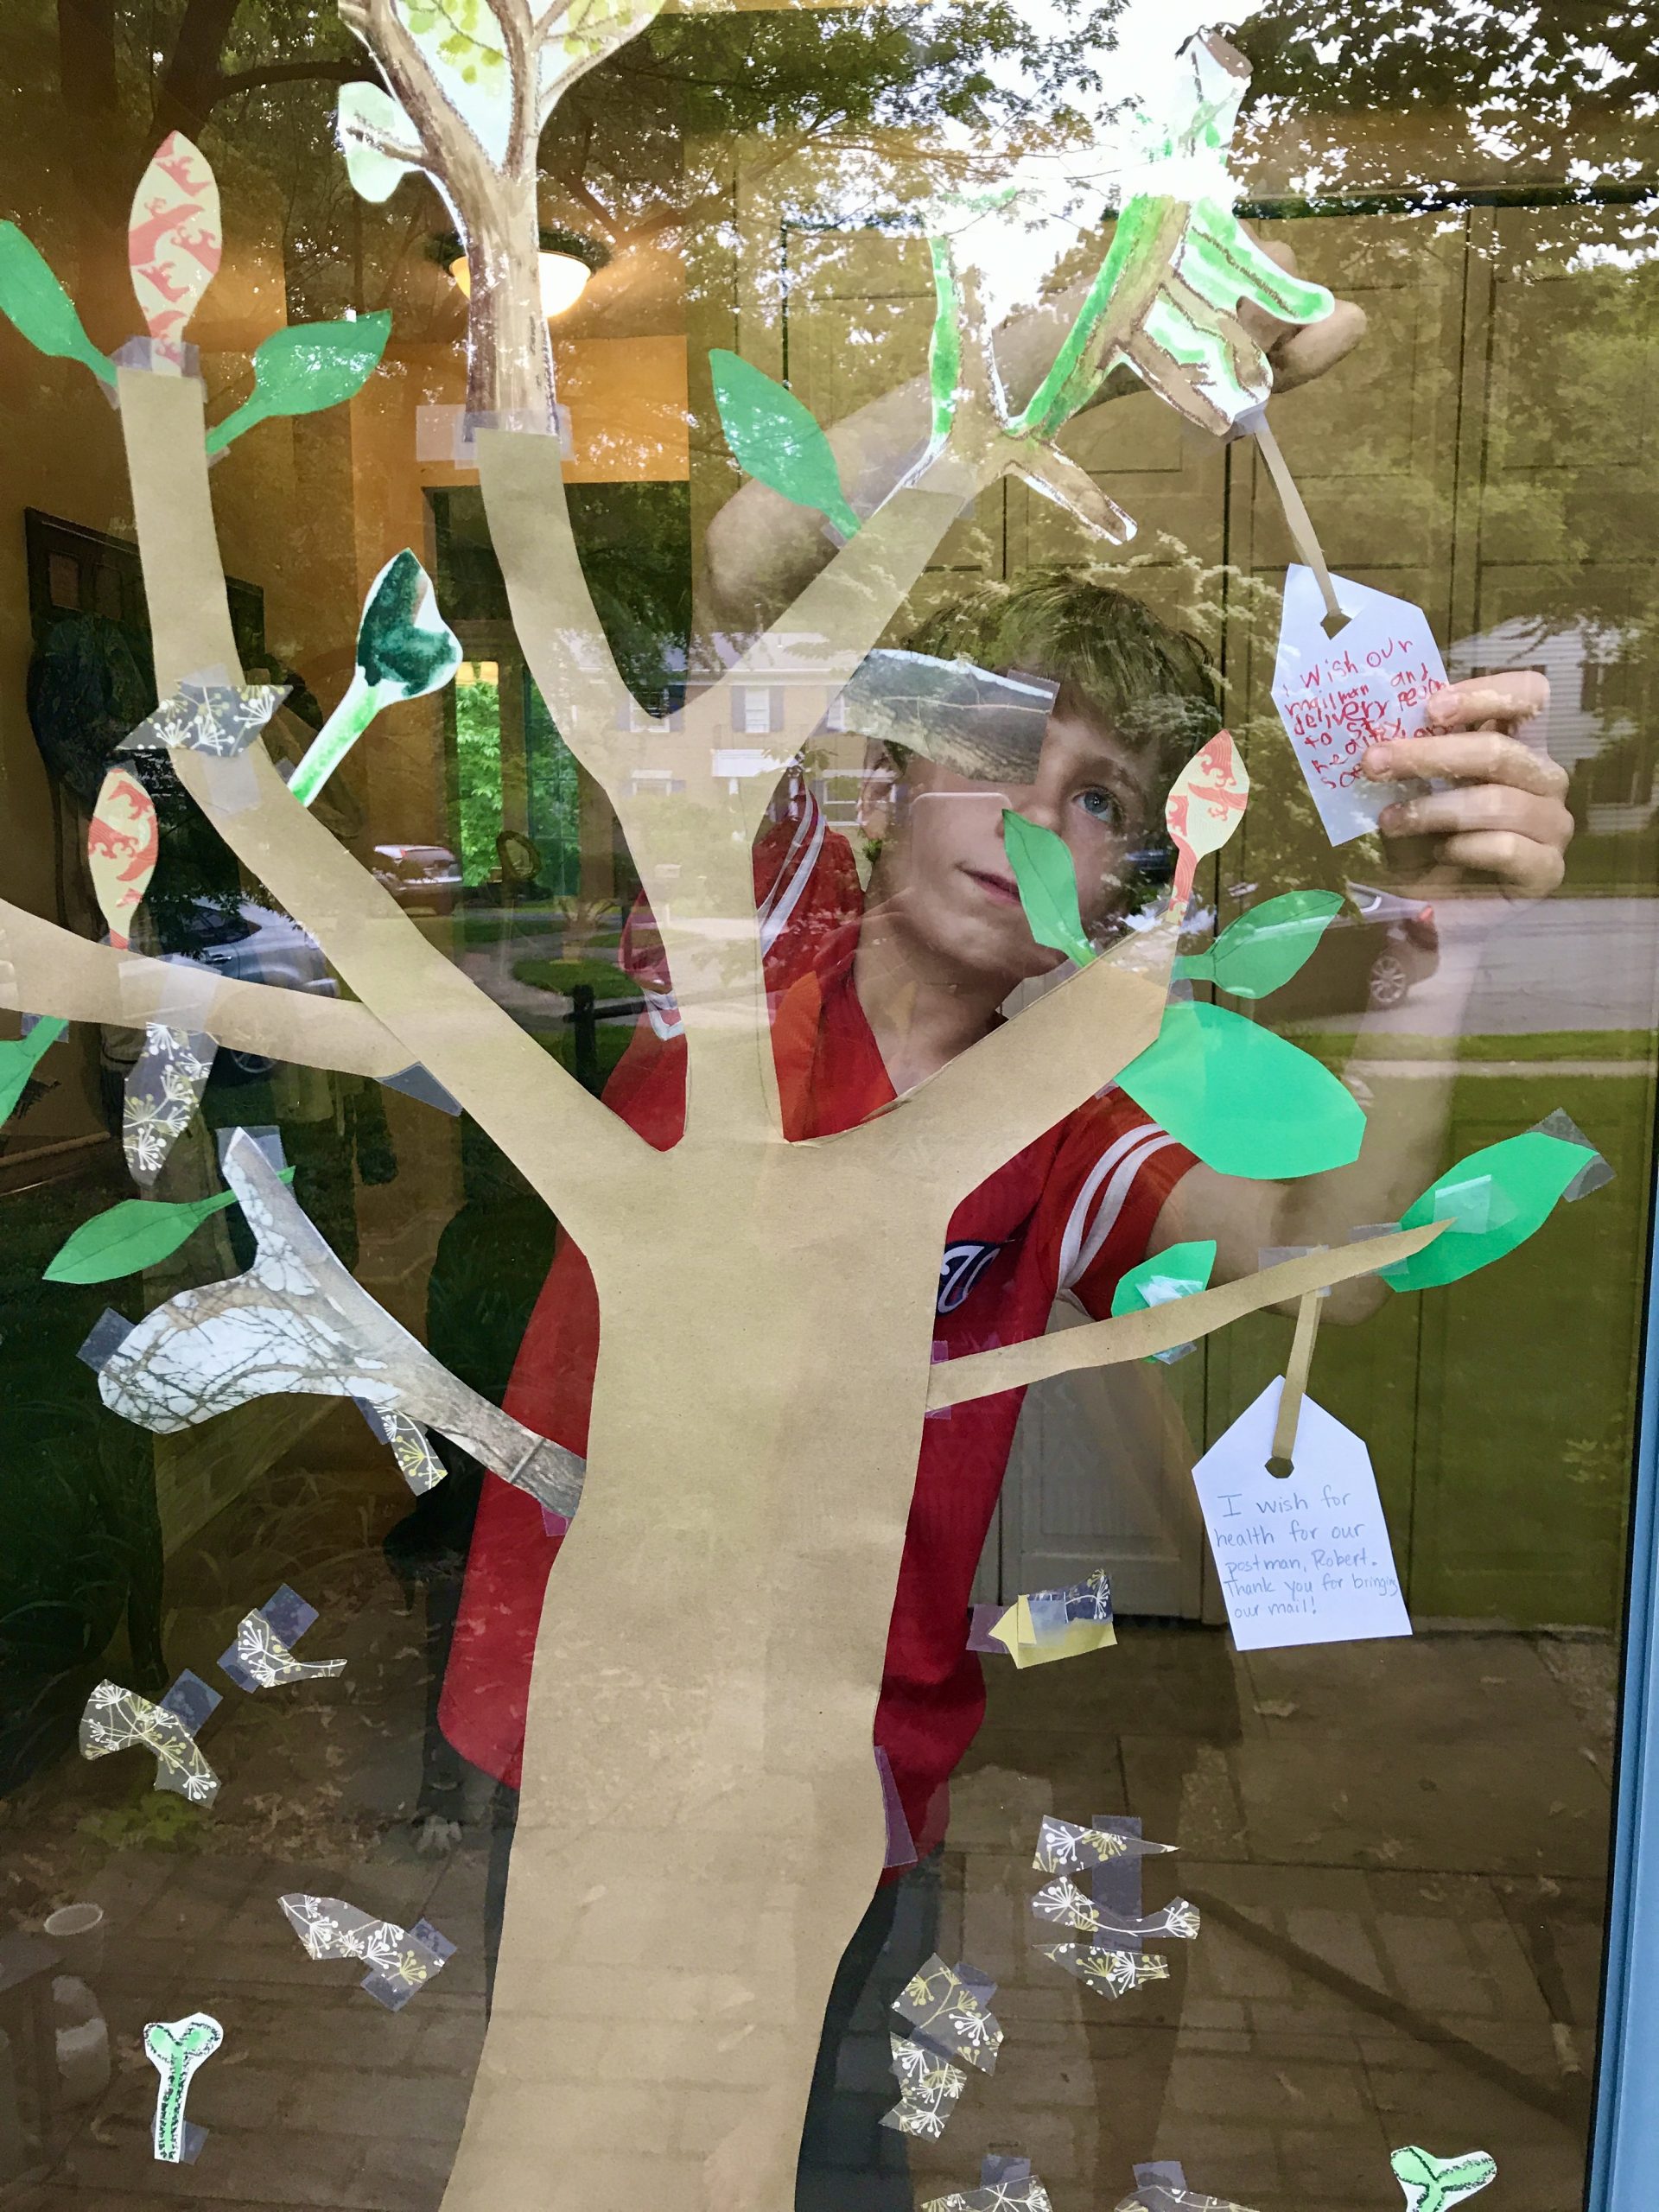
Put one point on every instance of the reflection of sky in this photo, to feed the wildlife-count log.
(1045, 195)
(1063, 193)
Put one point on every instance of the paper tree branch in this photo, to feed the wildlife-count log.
(46, 968)
(994, 1099)
(1160, 1328)
(297, 1321)
(566, 1143)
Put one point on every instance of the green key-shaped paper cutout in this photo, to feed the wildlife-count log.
(775, 440)
(404, 650)
(20, 1056)
(1180, 1271)
(175, 2048)
(1495, 1199)
(1265, 948)
(1434, 2184)
(305, 368)
(136, 1233)
(1047, 882)
(1245, 1101)
(34, 301)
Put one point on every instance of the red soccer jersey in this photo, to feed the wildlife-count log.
(1073, 1211)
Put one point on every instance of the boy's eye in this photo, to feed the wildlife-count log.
(1102, 805)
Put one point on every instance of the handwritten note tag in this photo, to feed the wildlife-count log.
(1304, 1560)
(1336, 695)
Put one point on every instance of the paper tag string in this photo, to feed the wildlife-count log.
(1282, 1457)
(1303, 536)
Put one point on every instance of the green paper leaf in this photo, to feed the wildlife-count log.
(404, 650)
(34, 301)
(1247, 1102)
(136, 1233)
(1048, 887)
(1180, 1271)
(1433, 2184)
(20, 1056)
(1495, 1199)
(304, 369)
(775, 441)
(1265, 948)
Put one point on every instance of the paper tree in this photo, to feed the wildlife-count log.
(701, 1823)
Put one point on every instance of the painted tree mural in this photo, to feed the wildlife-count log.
(702, 1820)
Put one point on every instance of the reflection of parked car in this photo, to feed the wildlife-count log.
(1374, 951)
(419, 876)
(251, 944)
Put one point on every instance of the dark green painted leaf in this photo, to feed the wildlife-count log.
(1180, 1271)
(775, 440)
(136, 1233)
(1495, 1199)
(20, 1056)
(1245, 1101)
(1265, 948)
(401, 640)
(1048, 887)
(32, 298)
(307, 367)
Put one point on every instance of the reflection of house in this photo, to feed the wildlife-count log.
(1593, 727)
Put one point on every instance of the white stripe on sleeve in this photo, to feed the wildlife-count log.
(1122, 1162)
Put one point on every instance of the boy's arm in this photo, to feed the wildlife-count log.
(1503, 828)
(761, 550)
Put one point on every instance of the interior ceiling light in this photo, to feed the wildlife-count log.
(563, 280)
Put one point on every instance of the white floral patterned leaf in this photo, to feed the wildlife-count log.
(115, 1720)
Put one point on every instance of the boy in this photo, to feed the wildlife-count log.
(873, 992)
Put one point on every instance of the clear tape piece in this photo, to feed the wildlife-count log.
(964, 717)
(1596, 1173)
(105, 1338)
(417, 1082)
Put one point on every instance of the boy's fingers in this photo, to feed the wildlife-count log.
(1512, 696)
(1307, 350)
(1299, 352)
(1522, 864)
(1479, 807)
(1478, 756)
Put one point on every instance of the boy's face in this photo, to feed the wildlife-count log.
(942, 877)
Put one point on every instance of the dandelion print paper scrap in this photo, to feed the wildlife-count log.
(949, 2009)
(400, 1961)
(115, 1720)
(1109, 1974)
(929, 2085)
(163, 1090)
(1063, 1846)
(223, 719)
(259, 1657)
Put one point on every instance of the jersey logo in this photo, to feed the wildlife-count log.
(959, 1270)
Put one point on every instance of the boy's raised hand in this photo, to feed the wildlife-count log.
(1507, 816)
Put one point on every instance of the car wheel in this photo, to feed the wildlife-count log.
(1389, 982)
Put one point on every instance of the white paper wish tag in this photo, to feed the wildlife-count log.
(1304, 1559)
(1336, 695)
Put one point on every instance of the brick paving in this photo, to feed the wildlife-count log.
(1399, 1849)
